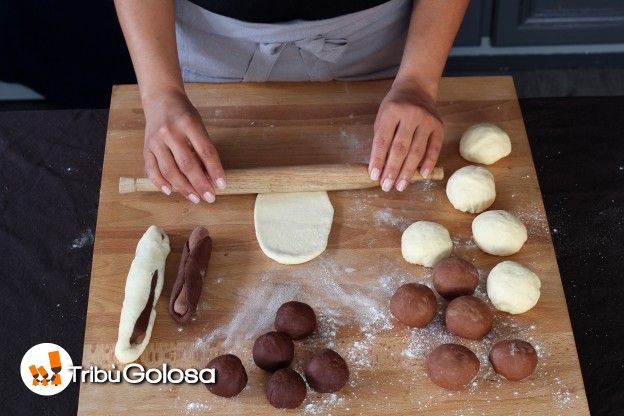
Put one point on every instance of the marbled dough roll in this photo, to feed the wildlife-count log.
(143, 287)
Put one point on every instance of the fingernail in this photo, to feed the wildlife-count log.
(210, 198)
(166, 189)
(401, 185)
(387, 184)
(374, 175)
(425, 173)
(194, 198)
(220, 183)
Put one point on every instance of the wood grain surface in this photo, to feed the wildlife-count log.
(255, 125)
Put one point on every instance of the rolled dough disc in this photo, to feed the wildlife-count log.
(293, 228)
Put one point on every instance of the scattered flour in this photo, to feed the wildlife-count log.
(352, 141)
(465, 247)
(563, 397)
(196, 407)
(340, 306)
(533, 216)
(330, 401)
(84, 239)
(256, 315)
(431, 191)
(388, 217)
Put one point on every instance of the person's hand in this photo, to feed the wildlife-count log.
(408, 134)
(178, 151)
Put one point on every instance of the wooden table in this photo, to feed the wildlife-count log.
(349, 285)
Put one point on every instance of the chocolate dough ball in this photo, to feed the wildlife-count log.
(327, 371)
(453, 277)
(285, 389)
(414, 304)
(452, 366)
(468, 317)
(273, 350)
(297, 319)
(231, 377)
(513, 359)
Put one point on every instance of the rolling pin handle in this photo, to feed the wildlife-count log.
(437, 174)
(127, 185)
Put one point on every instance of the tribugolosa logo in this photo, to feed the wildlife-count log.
(45, 369)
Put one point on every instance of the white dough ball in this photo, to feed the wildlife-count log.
(425, 243)
(484, 143)
(471, 189)
(512, 287)
(499, 232)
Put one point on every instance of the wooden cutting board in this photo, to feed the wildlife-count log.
(349, 285)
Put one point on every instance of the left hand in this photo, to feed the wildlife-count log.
(408, 133)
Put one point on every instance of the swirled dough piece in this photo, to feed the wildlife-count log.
(187, 287)
(293, 228)
(143, 287)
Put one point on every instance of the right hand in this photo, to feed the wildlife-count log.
(178, 151)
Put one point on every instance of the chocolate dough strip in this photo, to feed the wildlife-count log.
(140, 327)
(190, 278)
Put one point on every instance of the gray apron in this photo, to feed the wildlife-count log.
(364, 45)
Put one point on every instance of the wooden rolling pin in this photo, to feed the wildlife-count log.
(285, 179)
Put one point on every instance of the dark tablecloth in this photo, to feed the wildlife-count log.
(50, 174)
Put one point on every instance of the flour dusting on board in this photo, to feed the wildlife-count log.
(426, 190)
(387, 216)
(465, 247)
(352, 141)
(256, 315)
(317, 285)
(533, 217)
(192, 407)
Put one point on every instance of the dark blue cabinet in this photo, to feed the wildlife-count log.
(557, 22)
(542, 22)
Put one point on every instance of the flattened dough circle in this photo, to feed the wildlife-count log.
(293, 228)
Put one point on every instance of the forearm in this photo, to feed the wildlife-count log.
(149, 30)
(432, 29)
